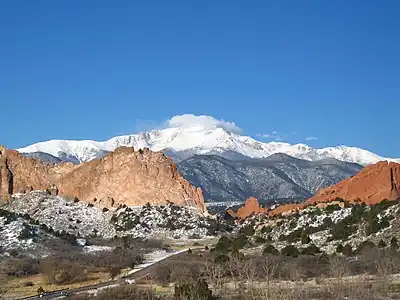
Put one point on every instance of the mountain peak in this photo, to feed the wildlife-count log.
(187, 135)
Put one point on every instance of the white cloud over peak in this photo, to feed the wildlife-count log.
(208, 122)
(311, 138)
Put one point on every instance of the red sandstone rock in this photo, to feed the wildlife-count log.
(371, 185)
(231, 213)
(121, 177)
(251, 207)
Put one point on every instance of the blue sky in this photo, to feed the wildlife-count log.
(278, 69)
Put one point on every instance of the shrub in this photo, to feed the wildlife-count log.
(247, 231)
(382, 244)
(266, 230)
(114, 271)
(347, 250)
(374, 224)
(339, 248)
(239, 242)
(311, 250)
(259, 240)
(62, 272)
(223, 245)
(26, 233)
(394, 244)
(19, 267)
(365, 246)
(40, 290)
(305, 239)
(331, 208)
(290, 250)
(293, 236)
(342, 230)
(193, 291)
(221, 258)
(270, 249)
(237, 254)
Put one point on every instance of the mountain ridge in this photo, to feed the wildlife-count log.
(266, 179)
(182, 143)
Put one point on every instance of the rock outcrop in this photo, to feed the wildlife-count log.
(250, 208)
(122, 177)
(371, 185)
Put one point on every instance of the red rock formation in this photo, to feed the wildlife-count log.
(371, 185)
(121, 177)
(286, 209)
(251, 207)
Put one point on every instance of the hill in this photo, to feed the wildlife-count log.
(278, 176)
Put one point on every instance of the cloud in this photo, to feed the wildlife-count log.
(188, 120)
(311, 138)
(207, 122)
(272, 136)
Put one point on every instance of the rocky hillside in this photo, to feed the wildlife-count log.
(358, 212)
(373, 184)
(278, 176)
(35, 221)
(336, 228)
(121, 177)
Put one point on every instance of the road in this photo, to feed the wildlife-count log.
(136, 275)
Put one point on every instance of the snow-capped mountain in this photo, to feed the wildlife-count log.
(182, 141)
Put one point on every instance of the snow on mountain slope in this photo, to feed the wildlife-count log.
(203, 135)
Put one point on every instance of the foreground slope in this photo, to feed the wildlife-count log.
(279, 176)
(121, 177)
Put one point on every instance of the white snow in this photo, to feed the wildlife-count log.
(205, 136)
(154, 257)
(95, 248)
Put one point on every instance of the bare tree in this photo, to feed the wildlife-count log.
(215, 275)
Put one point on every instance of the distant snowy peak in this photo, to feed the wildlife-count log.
(183, 142)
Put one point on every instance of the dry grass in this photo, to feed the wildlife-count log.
(19, 286)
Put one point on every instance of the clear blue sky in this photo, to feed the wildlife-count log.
(90, 69)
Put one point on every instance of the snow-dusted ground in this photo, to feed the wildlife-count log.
(164, 221)
(52, 216)
(63, 214)
(155, 257)
(319, 222)
(10, 232)
(82, 220)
